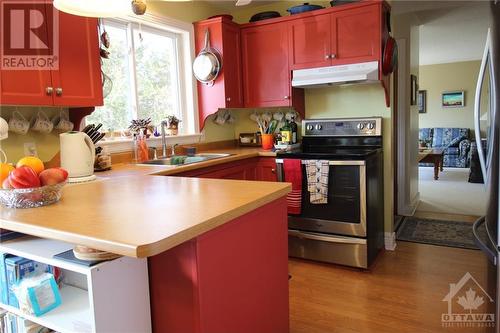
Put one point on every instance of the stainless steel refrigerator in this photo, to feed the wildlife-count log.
(487, 128)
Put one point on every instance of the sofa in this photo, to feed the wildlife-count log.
(454, 141)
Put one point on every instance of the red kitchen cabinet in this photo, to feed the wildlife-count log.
(227, 91)
(346, 36)
(356, 35)
(266, 169)
(77, 82)
(240, 170)
(266, 74)
(310, 42)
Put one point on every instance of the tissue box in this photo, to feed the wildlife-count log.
(18, 268)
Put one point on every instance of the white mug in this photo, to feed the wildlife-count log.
(41, 123)
(18, 124)
(61, 122)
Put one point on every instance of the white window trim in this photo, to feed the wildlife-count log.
(188, 100)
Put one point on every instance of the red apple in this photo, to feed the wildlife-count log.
(53, 176)
(6, 184)
(65, 173)
(24, 177)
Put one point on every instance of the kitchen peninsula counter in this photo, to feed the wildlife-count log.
(140, 216)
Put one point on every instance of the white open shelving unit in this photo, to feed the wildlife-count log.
(112, 296)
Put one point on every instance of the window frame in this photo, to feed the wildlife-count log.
(183, 33)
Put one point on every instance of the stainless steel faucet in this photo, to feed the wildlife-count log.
(163, 124)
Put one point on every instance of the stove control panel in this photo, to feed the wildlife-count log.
(342, 127)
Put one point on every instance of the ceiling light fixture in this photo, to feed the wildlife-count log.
(94, 8)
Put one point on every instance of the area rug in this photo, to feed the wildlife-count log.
(437, 232)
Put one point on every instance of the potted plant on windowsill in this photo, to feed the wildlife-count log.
(173, 125)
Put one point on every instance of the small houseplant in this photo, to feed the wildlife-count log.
(173, 125)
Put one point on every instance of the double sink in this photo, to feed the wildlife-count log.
(185, 160)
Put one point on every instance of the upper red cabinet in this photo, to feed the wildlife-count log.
(356, 35)
(77, 81)
(226, 91)
(265, 66)
(266, 71)
(341, 37)
(310, 41)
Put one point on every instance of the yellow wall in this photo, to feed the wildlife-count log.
(243, 14)
(448, 77)
(190, 11)
(47, 144)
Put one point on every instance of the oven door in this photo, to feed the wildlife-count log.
(345, 212)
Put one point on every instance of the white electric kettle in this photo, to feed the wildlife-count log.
(77, 156)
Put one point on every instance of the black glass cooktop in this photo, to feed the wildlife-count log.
(332, 154)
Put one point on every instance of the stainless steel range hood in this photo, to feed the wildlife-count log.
(366, 72)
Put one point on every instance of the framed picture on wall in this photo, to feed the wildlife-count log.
(414, 90)
(453, 99)
(422, 101)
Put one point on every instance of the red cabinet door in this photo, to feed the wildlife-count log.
(310, 42)
(226, 92)
(78, 81)
(26, 87)
(356, 35)
(266, 75)
(266, 169)
(232, 66)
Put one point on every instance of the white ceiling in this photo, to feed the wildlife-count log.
(450, 31)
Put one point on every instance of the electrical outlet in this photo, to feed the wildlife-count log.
(30, 149)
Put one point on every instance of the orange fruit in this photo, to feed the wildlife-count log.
(5, 169)
(33, 162)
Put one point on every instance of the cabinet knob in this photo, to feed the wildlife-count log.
(273, 170)
(287, 97)
(333, 56)
(228, 99)
(328, 56)
(59, 91)
(49, 91)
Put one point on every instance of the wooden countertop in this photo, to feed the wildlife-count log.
(132, 213)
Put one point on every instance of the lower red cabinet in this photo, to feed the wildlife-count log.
(266, 169)
(263, 169)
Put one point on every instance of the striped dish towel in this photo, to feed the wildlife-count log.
(293, 174)
(317, 181)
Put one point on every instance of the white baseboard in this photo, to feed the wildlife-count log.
(390, 241)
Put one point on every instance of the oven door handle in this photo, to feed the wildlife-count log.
(339, 162)
(330, 239)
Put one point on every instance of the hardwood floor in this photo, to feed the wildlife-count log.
(402, 293)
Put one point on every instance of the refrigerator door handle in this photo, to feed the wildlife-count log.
(477, 106)
(482, 246)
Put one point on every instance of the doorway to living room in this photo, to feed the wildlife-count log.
(451, 48)
(436, 132)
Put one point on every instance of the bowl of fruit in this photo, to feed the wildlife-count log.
(30, 185)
